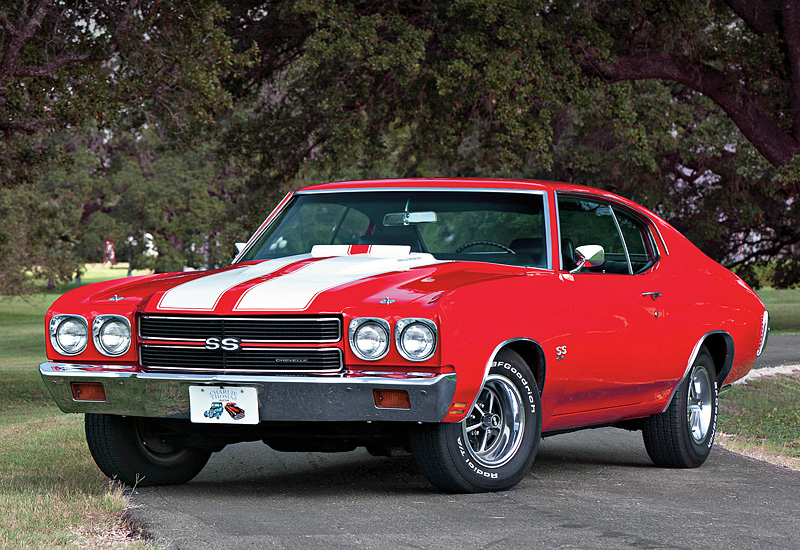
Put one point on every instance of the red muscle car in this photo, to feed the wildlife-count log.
(459, 319)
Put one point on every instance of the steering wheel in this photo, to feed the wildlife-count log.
(491, 243)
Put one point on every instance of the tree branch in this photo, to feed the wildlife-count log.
(762, 131)
(791, 38)
(21, 34)
(48, 70)
(761, 15)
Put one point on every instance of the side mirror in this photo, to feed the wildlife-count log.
(239, 247)
(589, 255)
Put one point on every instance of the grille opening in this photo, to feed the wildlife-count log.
(175, 342)
(252, 329)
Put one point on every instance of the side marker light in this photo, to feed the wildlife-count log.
(391, 399)
(88, 391)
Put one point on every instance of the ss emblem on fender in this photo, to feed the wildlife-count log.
(227, 344)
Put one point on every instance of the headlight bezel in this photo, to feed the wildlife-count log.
(57, 323)
(362, 323)
(401, 328)
(99, 323)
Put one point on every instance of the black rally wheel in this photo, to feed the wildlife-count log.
(134, 451)
(682, 436)
(493, 448)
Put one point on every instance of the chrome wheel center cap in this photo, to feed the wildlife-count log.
(491, 420)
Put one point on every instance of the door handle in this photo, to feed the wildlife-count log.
(653, 294)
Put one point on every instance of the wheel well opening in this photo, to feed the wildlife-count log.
(533, 355)
(720, 346)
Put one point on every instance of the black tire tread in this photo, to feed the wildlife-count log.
(665, 434)
(112, 443)
(434, 461)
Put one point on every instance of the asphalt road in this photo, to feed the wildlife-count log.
(781, 349)
(590, 489)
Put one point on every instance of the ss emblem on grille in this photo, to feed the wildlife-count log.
(228, 344)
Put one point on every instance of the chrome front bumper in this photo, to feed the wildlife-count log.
(281, 398)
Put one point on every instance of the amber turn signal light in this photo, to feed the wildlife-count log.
(391, 399)
(88, 391)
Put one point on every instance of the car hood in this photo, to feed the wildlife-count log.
(325, 281)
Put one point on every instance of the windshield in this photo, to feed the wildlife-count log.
(498, 227)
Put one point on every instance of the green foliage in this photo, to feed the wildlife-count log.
(302, 91)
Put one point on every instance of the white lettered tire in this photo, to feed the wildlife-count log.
(494, 447)
(682, 436)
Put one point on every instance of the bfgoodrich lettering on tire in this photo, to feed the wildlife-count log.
(682, 436)
(493, 448)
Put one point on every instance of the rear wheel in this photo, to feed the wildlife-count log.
(493, 448)
(682, 436)
(135, 451)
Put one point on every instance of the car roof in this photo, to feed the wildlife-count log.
(453, 183)
(477, 184)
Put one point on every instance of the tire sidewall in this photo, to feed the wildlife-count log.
(699, 451)
(485, 478)
(119, 452)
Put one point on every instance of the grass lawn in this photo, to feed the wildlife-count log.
(51, 493)
(762, 419)
(784, 308)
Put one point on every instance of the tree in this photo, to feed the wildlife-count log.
(744, 55)
(650, 99)
(93, 70)
(126, 62)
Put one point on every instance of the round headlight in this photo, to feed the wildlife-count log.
(369, 338)
(111, 334)
(416, 338)
(69, 334)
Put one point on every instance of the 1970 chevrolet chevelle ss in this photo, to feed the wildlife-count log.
(459, 319)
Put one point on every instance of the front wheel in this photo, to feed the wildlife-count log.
(135, 452)
(493, 447)
(682, 436)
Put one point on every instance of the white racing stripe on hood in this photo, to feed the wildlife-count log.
(204, 293)
(296, 290)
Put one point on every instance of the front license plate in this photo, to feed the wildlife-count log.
(223, 405)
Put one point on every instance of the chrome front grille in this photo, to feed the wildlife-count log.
(178, 343)
(275, 360)
(250, 329)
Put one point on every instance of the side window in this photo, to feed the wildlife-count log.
(638, 241)
(623, 237)
(584, 221)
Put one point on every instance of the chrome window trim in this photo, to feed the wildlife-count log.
(403, 324)
(245, 318)
(53, 330)
(622, 238)
(275, 214)
(660, 236)
(97, 324)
